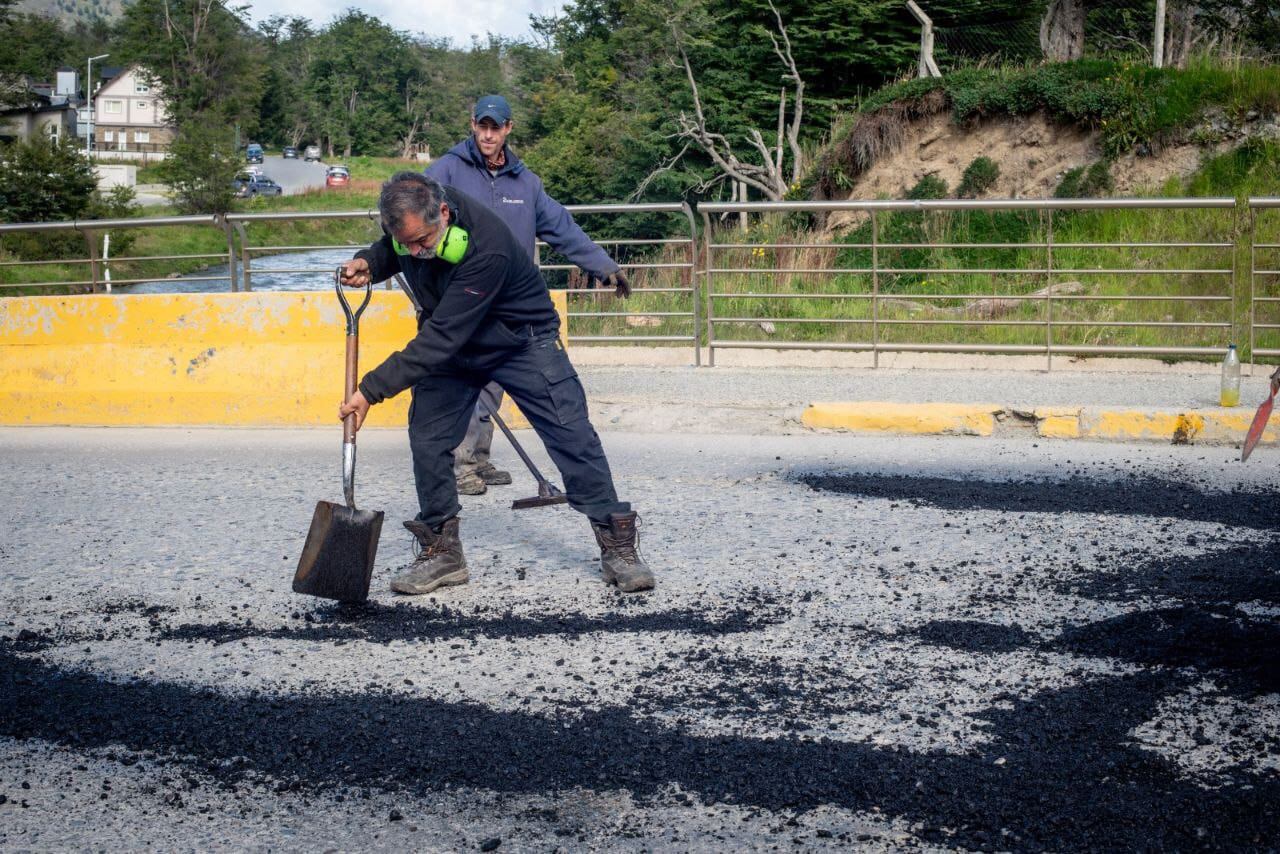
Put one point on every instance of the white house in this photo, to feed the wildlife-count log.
(128, 117)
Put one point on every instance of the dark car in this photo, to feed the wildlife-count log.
(253, 154)
(248, 185)
(289, 153)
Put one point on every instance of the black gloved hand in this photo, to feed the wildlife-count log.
(616, 280)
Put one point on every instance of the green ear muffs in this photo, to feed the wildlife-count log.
(452, 246)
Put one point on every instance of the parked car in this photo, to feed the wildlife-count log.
(289, 153)
(248, 185)
(337, 176)
(253, 154)
(253, 169)
(312, 153)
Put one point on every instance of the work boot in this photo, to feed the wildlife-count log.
(620, 562)
(471, 483)
(439, 562)
(493, 476)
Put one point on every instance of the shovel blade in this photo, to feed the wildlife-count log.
(337, 559)
(1255, 429)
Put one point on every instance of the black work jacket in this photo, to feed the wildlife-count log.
(486, 302)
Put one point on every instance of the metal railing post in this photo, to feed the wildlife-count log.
(1048, 293)
(95, 260)
(231, 251)
(706, 284)
(1253, 288)
(690, 280)
(875, 291)
(244, 256)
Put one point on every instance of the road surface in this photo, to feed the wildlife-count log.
(883, 643)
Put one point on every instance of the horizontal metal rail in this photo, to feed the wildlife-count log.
(878, 205)
(631, 314)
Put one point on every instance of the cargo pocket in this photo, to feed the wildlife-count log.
(563, 386)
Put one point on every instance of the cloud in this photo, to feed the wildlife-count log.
(459, 21)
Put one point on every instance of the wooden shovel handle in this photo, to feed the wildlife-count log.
(349, 385)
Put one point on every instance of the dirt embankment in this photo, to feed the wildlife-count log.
(1032, 153)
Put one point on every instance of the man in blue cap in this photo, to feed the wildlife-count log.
(484, 167)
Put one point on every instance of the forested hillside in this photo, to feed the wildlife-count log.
(637, 99)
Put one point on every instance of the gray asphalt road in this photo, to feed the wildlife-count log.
(886, 643)
(294, 175)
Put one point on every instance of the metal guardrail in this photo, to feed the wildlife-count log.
(710, 279)
(92, 229)
(681, 301)
(865, 284)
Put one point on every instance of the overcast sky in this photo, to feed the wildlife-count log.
(458, 19)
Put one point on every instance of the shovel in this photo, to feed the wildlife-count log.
(337, 559)
(1261, 418)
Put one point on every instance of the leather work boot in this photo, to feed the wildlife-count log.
(493, 476)
(620, 563)
(470, 483)
(439, 563)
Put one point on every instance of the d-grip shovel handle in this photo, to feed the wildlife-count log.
(349, 386)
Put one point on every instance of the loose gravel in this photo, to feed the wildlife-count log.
(854, 642)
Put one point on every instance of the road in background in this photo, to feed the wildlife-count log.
(294, 175)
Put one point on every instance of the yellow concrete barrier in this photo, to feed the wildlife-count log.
(904, 418)
(245, 359)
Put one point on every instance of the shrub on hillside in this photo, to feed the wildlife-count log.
(928, 187)
(1090, 182)
(979, 176)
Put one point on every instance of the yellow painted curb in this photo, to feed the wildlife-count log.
(904, 418)
(255, 359)
(1215, 426)
(1057, 422)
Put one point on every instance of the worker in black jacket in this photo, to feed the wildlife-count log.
(486, 316)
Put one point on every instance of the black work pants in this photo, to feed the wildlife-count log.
(543, 383)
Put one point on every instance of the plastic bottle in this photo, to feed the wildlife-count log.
(1230, 378)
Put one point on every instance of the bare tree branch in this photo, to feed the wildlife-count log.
(767, 175)
(665, 167)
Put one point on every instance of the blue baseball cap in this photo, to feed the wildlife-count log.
(493, 107)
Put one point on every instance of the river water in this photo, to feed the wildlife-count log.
(304, 271)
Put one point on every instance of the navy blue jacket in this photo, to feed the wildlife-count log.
(485, 303)
(516, 195)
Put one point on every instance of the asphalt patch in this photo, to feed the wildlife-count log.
(1241, 652)
(1060, 772)
(383, 624)
(1134, 495)
(1226, 576)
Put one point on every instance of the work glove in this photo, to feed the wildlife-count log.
(616, 280)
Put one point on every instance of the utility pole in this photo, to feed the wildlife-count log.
(928, 68)
(88, 96)
(1157, 41)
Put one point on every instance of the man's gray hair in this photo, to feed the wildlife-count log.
(410, 193)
